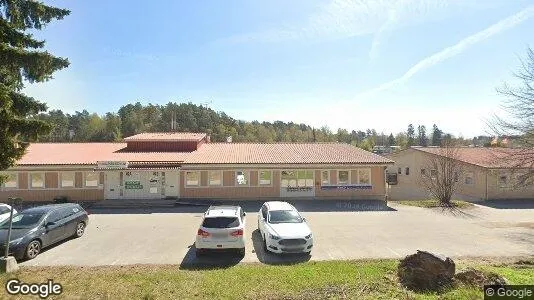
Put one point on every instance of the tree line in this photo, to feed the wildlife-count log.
(135, 118)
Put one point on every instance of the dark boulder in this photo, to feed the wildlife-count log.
(425, 271)
(478, 278)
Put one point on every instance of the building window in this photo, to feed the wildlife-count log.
(399, 171)
(301, 178)
(305, 178)
(343, 177)
(192, 178)
(214, 178)
(67, 179)
(364, 176)
(407, 171)
(11, 181)
(265, 177)
(91, 179)
(37, 180)
(241, 178)
(469, 178)
(325, 177)
(423, 172)
(433, 174)
(503, 180)
(288, 179)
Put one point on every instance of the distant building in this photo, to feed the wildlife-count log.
(381, 150)
(487, 174)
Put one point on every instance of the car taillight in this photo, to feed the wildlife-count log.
(203, 233)
(237, 233)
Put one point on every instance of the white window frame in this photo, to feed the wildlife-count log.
(210, 183)
(30, 181)
(198, 178)
(61, 174)
(469, 175)
(85, 179)
(247, 178)
(348, 177)
(368, 172)
(16, 180)
(270, 176)
(328, 182)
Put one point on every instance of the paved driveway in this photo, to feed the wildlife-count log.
(342, 230)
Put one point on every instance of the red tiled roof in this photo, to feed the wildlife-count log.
(489, 157)
(283, 153)
(89, 154)
(209, 153)
(166, 136)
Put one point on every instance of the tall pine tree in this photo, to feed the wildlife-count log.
(410, 134)
(436, 135)
(22, 58)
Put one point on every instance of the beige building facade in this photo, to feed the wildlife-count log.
(483, 176)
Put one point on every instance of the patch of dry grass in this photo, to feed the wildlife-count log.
(435, 203)
(361, 279)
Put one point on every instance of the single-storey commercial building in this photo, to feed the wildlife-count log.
(188, 165)
(486, 174)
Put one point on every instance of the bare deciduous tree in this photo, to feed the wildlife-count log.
(518, 105)
(443, 171)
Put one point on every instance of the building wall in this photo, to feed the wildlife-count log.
(52, 188)
(507, 191)
(227, 189)
(485, 182)
(255, 191)
(409, 187)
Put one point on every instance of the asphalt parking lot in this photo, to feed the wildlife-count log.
(342, 230)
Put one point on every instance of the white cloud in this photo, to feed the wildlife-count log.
(348, 18)
(456, 49)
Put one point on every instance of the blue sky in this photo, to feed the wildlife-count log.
(344, 64)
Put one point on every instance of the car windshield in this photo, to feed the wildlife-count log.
(23, 220)
(220, 222)
(284, 216)
(4, 210)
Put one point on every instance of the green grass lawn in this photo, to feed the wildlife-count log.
(364, 279)
(434, 203)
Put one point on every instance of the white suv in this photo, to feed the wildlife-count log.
(283, 229)
(223, 227)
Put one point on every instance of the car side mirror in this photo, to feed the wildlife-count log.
(244, 213)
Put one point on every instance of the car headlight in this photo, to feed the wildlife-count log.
(273, 237)
(309, 236)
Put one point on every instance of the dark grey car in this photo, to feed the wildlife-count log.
(36, 228)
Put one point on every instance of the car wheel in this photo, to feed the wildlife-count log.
(80, 229)
(33, 249)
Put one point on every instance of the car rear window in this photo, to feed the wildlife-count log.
(220, 222)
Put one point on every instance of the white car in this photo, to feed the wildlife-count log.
(283, 229)
(223, 227)
(5, 211)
